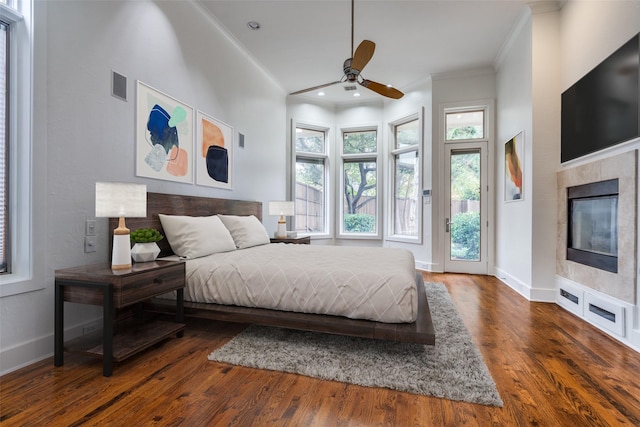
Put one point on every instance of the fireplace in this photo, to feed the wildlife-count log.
(592, 234)
(613, 216)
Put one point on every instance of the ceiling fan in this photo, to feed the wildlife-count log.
(353, 66)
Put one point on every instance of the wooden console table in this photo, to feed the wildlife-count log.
(97, 284)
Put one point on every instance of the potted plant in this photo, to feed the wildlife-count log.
(145, 248)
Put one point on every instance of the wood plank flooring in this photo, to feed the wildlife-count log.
(551, 369)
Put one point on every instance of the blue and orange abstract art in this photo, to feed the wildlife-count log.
(165, 136)
(215, 152)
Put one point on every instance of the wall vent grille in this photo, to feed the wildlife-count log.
(574, 299)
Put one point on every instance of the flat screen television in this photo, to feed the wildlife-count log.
(602, 108)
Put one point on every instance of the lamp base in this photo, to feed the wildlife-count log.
(121, 255)
(281, 231)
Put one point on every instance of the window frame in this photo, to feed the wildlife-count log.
(466, 109)
(20, 212)
(360, 157)
(393, 154)
(5, 230)
(326, 158)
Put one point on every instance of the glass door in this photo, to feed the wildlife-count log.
(465, 212)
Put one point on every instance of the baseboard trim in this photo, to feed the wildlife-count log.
(24, 354)
(35, 350)
(514, 283)
(428, 267)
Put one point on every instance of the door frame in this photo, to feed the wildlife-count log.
(472, 267)
(438, 218)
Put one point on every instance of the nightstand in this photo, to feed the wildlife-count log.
(294, 240)
(116, 289)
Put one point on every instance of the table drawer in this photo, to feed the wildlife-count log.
(146, 285)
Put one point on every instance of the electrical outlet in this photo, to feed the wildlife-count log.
(89, 244)
(90, 227)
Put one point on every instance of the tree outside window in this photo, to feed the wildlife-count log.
(360, 182)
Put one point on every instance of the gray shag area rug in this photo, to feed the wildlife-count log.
(452, 369)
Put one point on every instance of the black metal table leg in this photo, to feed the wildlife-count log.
(180, 309)
(58, 349)
(107, 331)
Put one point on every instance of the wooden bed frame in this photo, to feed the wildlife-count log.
(420, 332)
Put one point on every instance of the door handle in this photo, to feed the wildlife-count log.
(447, 224)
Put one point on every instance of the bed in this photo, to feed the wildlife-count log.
(405, 317)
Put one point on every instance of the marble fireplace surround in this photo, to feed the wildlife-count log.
(621, 285)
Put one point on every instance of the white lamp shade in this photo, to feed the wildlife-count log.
(282, 208)
(121, 200)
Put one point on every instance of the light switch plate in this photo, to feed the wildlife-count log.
(90, 227)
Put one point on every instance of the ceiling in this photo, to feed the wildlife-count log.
(303, 43)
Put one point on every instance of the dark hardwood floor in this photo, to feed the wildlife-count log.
(551, 369)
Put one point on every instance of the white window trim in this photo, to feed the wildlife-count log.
(392, 178)
(379, 177)
(466, 108)
(20, 280)
(328, 197)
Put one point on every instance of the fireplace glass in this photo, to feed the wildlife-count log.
(594, 225)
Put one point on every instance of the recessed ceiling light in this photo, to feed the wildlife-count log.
(254, 25)
(356, 94)
(389, 85)
(320, 93)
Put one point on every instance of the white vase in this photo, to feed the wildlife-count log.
(145, 252)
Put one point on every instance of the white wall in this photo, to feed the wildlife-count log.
(85, 135)
(514, 114)
(529, 100)
(545, 151)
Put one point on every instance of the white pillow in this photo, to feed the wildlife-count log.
(247, 231)
(196, 236)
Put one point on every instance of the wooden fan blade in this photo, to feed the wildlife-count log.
(384, 90)
(309, 89)
(363, 55)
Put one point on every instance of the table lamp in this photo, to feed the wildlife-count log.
(282, 208)
(121, 200)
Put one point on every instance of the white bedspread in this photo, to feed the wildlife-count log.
(359, 283)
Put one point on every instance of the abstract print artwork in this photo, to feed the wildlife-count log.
(214, 152)
(513, 168)
(164, 136)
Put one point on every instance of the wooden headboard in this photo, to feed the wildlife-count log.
(174, 204)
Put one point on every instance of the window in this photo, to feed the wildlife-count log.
(22, 273)
(405, 158)
(359, 212)
(311, 180)
(4, 148)
(464, 125)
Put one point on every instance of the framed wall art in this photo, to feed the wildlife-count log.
(164, 136)
(214, 152)
(514, 168)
